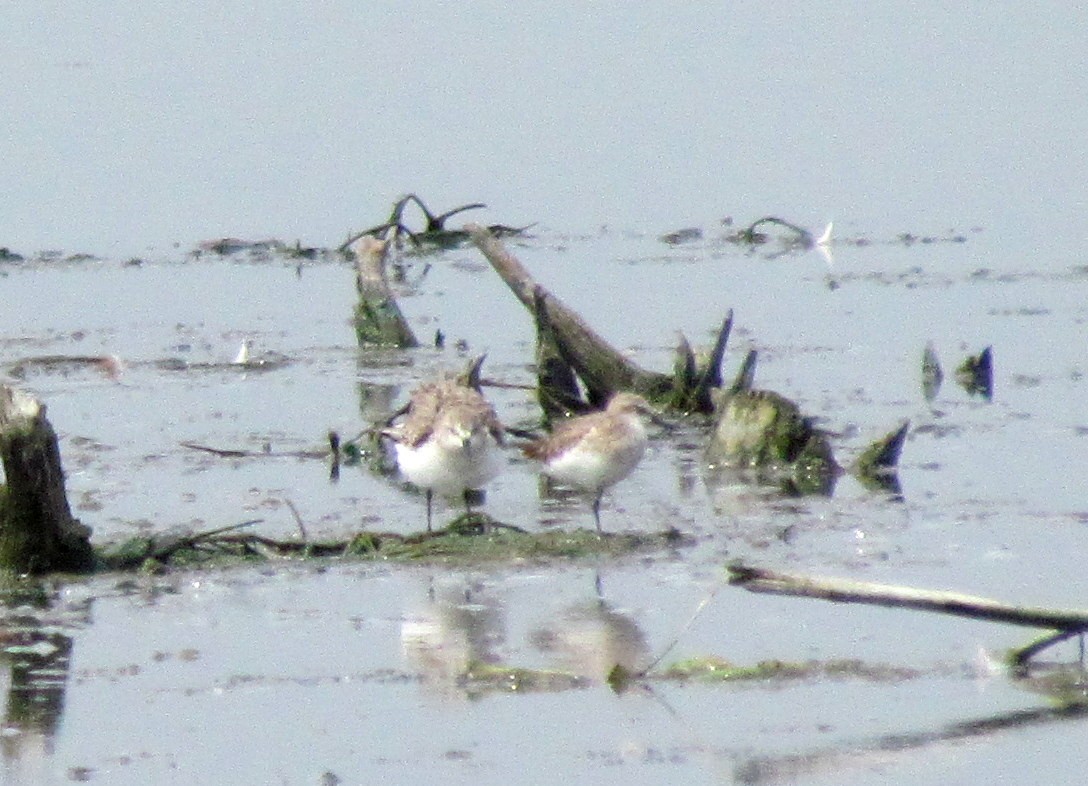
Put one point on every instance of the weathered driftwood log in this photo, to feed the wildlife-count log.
(378, 318)
(37, 531)
(1069, 621)
(602, 369)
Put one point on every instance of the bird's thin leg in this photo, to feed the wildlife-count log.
(429, 510)
(597, 512)
(468, 510)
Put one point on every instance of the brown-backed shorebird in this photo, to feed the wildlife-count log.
(595, 451)
(449, 439)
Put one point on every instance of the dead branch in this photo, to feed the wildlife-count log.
(603, 369)
(238, 453)
(848, 591)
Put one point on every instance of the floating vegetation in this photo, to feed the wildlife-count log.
(783, 237)
(680, 236)
(464, 541)
(714, 669)
(258, 250)
(481, 677)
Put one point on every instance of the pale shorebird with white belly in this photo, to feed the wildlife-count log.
(594, 452)
(449, 441)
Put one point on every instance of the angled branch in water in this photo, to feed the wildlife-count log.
(602, 368)
(847, 591)
(298, 519)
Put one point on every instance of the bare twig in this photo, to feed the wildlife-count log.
(213, 533)
(684, 629)
(236, 453)
(298, 519)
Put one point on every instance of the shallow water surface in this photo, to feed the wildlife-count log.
(945, 146)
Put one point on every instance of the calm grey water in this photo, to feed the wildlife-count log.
(141, 131)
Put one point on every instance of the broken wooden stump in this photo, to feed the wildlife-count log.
(976, 374)
(932, 375)
(696, 379)
(37, 531)
(378, 318)
(765, 431)
(878, 465)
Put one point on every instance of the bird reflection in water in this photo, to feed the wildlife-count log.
(591, 638)
(457, 627)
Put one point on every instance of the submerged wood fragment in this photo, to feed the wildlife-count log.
(38, 533)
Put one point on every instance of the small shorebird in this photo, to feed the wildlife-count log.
(449, 439)
(595, 451)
